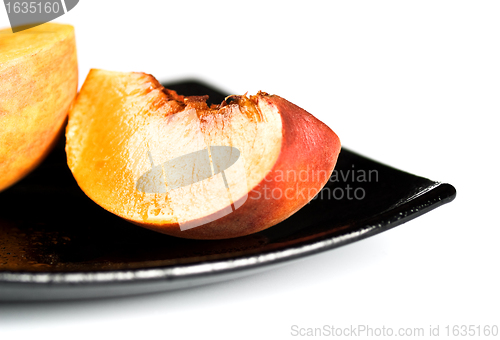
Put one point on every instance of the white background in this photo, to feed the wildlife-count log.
(412, 84)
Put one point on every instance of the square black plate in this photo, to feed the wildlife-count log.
(55, 243)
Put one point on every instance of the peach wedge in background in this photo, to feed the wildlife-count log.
(38, 82)
(172, 164)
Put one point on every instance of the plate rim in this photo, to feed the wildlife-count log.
(422, 202)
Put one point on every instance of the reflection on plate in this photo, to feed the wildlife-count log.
(55, 243)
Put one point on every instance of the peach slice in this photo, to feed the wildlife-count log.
(38, 82)
(172, 164)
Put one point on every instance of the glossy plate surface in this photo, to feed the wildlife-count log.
(55, 243)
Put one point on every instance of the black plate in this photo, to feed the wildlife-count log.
(55, 243)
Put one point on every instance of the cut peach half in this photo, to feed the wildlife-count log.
(38, 82)
(172, 164)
